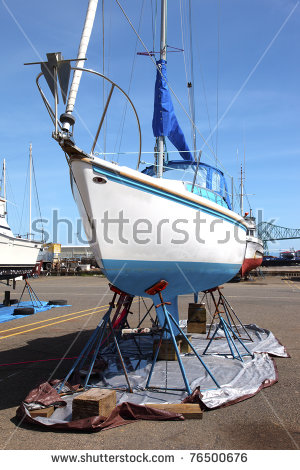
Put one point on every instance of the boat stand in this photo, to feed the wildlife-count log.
(167, 329)
(229, 326)
(223, 306)
(36, 303)
(148, 310)
(98, 339)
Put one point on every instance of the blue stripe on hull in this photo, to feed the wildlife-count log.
(165, 194)
(134, 277)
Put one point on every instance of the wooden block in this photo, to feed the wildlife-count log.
(196, 327)
(43, 412)
(94, 402)
(184, 345)
(167, 350)
(197, 313)
(188, 410)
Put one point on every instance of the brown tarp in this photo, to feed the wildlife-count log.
(125, 413)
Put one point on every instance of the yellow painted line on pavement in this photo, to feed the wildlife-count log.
(291, 283)
(49, 324)
(55, 318)
(99, 309)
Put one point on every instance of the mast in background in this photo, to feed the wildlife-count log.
(30, 184)
(242, 193)
(4, 184)
(163, 56)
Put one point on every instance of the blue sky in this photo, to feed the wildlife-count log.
(257, 91)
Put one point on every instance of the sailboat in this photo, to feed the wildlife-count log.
(147, 225)
(18, 255)
(254, 246)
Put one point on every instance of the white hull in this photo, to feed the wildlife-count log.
(254, 254)
(254, 248)
(146, 229)
(17, 256)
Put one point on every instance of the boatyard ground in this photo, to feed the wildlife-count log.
(30, 349)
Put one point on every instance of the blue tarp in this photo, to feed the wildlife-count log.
(6, 313)
(164, 121)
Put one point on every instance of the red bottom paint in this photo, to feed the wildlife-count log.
(249, 264)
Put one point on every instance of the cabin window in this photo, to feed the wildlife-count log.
(201, 177)
(216, 182)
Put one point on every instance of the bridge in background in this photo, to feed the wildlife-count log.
(269, 232)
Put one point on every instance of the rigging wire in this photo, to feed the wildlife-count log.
(205, 96)
(237, 190)
(37, 199)
(103, 70)
(12, 197)
(108, 72)
(200, 68)
(218, 78)
(24, 197)
(171, 89)
(154, 23)
(189, 82)
(183, 42)
(122, 124)
(244, 192)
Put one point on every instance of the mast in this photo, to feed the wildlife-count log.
(191, 83)
(30, 171)
(242, 193)
(84, 42)
(163, 56)
(4, 184)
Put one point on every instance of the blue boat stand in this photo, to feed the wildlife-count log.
(222, 303)
(229, 326)
(97, 339)
(167, 331)
(33, 296)
(170, 325)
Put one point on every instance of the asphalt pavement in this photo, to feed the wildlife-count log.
(31, 349)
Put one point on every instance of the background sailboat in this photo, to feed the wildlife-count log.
(18, 255)
(254, 246)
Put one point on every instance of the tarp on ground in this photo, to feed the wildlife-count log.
(7, 313)
(238, 380)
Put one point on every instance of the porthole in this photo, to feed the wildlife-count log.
(99, 180)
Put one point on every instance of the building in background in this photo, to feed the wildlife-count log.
(67, 258)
